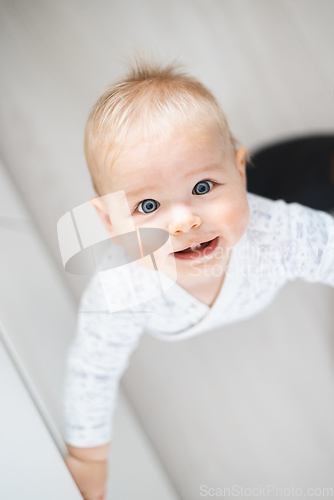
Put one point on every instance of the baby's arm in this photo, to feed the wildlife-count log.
(89, 468)
(97, 358)
(308, 246)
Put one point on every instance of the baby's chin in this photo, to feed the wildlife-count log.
(190, 271)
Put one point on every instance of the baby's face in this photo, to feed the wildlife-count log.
(190, 188)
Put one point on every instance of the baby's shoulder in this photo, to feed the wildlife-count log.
(278, 220)
(268, 218)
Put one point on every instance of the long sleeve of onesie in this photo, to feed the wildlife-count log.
(97, 358)
(308, 249)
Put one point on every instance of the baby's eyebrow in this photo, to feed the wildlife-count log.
(137, 192)
(204, 169)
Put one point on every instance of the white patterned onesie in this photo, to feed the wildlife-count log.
(283, 241)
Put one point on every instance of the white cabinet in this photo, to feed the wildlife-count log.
(31, 466)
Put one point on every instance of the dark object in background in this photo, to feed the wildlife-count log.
(300, 170)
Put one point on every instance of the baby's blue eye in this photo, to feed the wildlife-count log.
(202, 187)
(148, 206)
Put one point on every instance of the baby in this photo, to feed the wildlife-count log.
(159, 137)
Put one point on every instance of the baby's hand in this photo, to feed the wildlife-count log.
(90, 476)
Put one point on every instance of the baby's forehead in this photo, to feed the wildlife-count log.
(176, 161)
(162, 159)
(178, 145)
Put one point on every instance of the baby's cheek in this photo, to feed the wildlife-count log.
(243, 216)
(231, 209)
(235, 217)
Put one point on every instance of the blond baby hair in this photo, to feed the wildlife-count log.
(151, 101)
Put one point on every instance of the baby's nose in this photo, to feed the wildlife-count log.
(182, 220)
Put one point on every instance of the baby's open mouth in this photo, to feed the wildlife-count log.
(196, 247)
(197, 251)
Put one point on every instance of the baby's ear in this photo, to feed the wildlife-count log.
(104, 216)
(240, 161)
